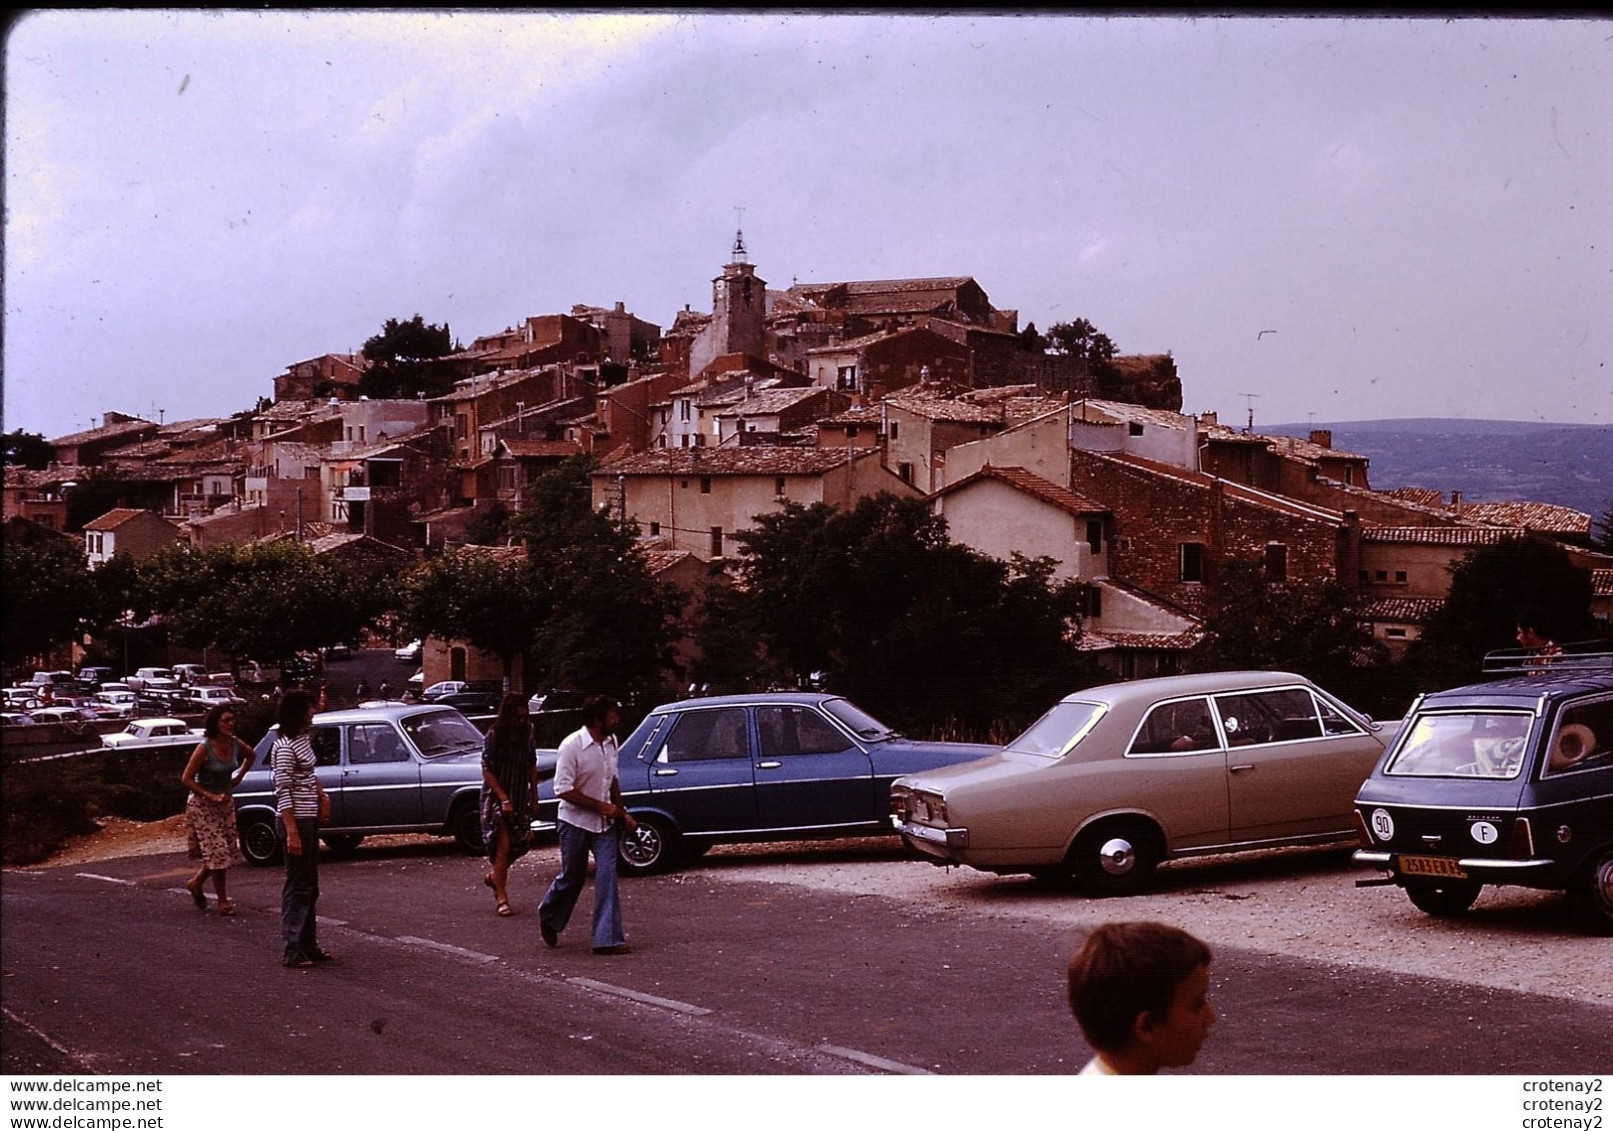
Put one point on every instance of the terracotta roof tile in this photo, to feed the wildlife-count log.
(541, 449)
(1602, 582)
(1532, 516)
(1439, 535)
(938, 406)
(1413, 610)
(1423, 496)
(115, 518)
(760, 460)
(1034, 485)
(111, 431)
(1092, 641)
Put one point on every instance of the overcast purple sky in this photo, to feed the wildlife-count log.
(1420, 209)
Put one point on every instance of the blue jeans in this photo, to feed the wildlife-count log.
(575, 845)
(300, 894)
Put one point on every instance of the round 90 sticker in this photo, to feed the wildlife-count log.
(1484, 832)
(1383, 825)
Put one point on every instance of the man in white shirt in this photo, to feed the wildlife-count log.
(591, 820)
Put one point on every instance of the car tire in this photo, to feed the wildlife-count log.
(1592, 894)
(648, 849)
(260, 843)
(465, 825)
(342, 844)
(1115, 858)
(1443, 899)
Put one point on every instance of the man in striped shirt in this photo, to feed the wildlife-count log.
(300, 800)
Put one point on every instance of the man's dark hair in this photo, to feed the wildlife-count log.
(1529, 617)
(294, 712)
(595, 709)
(1125, 970)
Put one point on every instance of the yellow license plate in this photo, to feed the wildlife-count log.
(1431, 866)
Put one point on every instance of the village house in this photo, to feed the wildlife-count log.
(37, 495)
(696, 499)
(322, 377)
(767, 416)
(1001, 511)
(880, 363)
(624, 337)
(858, 426)
(86, 449)
(138, 533)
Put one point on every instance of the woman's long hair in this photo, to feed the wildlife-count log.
(294, 712)
(210, 727)
(513, 723)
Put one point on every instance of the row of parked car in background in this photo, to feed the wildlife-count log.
(1503, 782)
(94, 695)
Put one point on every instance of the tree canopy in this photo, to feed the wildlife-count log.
(27, 449)
(48, 594)
(400, 357)
(909, 624)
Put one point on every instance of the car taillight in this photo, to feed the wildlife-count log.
(899, 806)
(1523, 838)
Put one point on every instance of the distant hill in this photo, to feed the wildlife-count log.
(1488, 461)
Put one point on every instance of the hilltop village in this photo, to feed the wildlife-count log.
(823, 392)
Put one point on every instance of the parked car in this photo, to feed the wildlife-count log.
(190, 673)
(95, 676)
(789, 766)
(71, 717)
(204, 697)
(1115, 779)
(410, 652)
(151, 679)
(1509, 782)
(417, 682)
(118, 704)
(22, 698)
(16, 719)
(556, 699)
(471, 701)
(57, 679)
(153, 732)
(444, 687)
(388, 769)
(253, 671)
(339, 652)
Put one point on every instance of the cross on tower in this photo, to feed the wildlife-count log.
(739, 234)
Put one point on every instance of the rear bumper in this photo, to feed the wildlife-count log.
(942, 845)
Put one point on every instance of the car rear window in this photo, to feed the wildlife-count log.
(1055, 733)
(1483, 744)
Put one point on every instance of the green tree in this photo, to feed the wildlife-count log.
(1031, 340)
(490, 600)
(400, 359)
(48, 594)
(1489, 587)
(27, 449)
(904, 621)
(1082, 339)
(266, 601)
(490, 527)
(1304, 627)
(1604, 531)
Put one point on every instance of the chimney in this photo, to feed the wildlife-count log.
(1209, 419)
(1322, 437)
(1456, 503)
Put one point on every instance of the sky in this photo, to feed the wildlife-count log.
(1421, 210)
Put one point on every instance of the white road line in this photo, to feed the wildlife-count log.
(43, 1036)
(105, 879)
(324, 922)
(448, 948)
(634, 995)
(873, 1061)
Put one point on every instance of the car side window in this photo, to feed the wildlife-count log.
(797, 730)
(1584, 739)
(707, 735)
(1335, 722)
(371, 744)
(327, 744)
(1256, 717)
(1180, 727)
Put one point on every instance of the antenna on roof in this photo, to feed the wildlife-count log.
(1250, 397)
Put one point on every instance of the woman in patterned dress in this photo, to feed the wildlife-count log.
(509, 792)
(215, 768)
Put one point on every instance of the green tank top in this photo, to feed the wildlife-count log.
(214, 775)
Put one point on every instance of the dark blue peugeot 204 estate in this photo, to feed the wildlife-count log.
(1509, 782)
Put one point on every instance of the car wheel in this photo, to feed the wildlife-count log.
(342, 844)
(648, 849)
(1593, 894)
(465, 824)
(1115, 858)
(1443, 898)
(259, 842)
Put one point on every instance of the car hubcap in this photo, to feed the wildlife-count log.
(1602, 885)
(643, 845)
(1117, 856)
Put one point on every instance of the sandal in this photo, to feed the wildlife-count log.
(318, 955)
(226, 907)
(196, 896)
(296, 961)
(504, 908)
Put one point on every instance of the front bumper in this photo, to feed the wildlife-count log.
(1478, 868)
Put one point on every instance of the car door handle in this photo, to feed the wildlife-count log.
(666, 773)
(1242, 768)
(768, 765)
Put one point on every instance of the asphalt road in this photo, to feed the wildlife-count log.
(109, 968)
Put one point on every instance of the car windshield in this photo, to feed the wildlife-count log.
(442, 732)
(1485, 744)
(1055, 733)
(858, 721)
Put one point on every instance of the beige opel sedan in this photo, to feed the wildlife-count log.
(1115, 779)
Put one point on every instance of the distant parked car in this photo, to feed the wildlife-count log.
(785, 766)
(1115, 779)
(444, 687)
(70, 717)
(471, 702)
(1509, 782)
(393, 768)
(410, 652)
(95, 676)
(204, 697)
(16, 719)
(152, 679)
(153, 732)
(23, 698)
(118, 704)
(190, 673)
(417, 682)
(555, 699)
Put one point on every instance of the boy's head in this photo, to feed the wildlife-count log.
(1140, 993)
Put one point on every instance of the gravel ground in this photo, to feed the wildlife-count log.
(1298, 903)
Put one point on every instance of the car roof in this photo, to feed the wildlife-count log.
(370, 714)
(1546, 685)
(788, 698)
(1171, 686)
